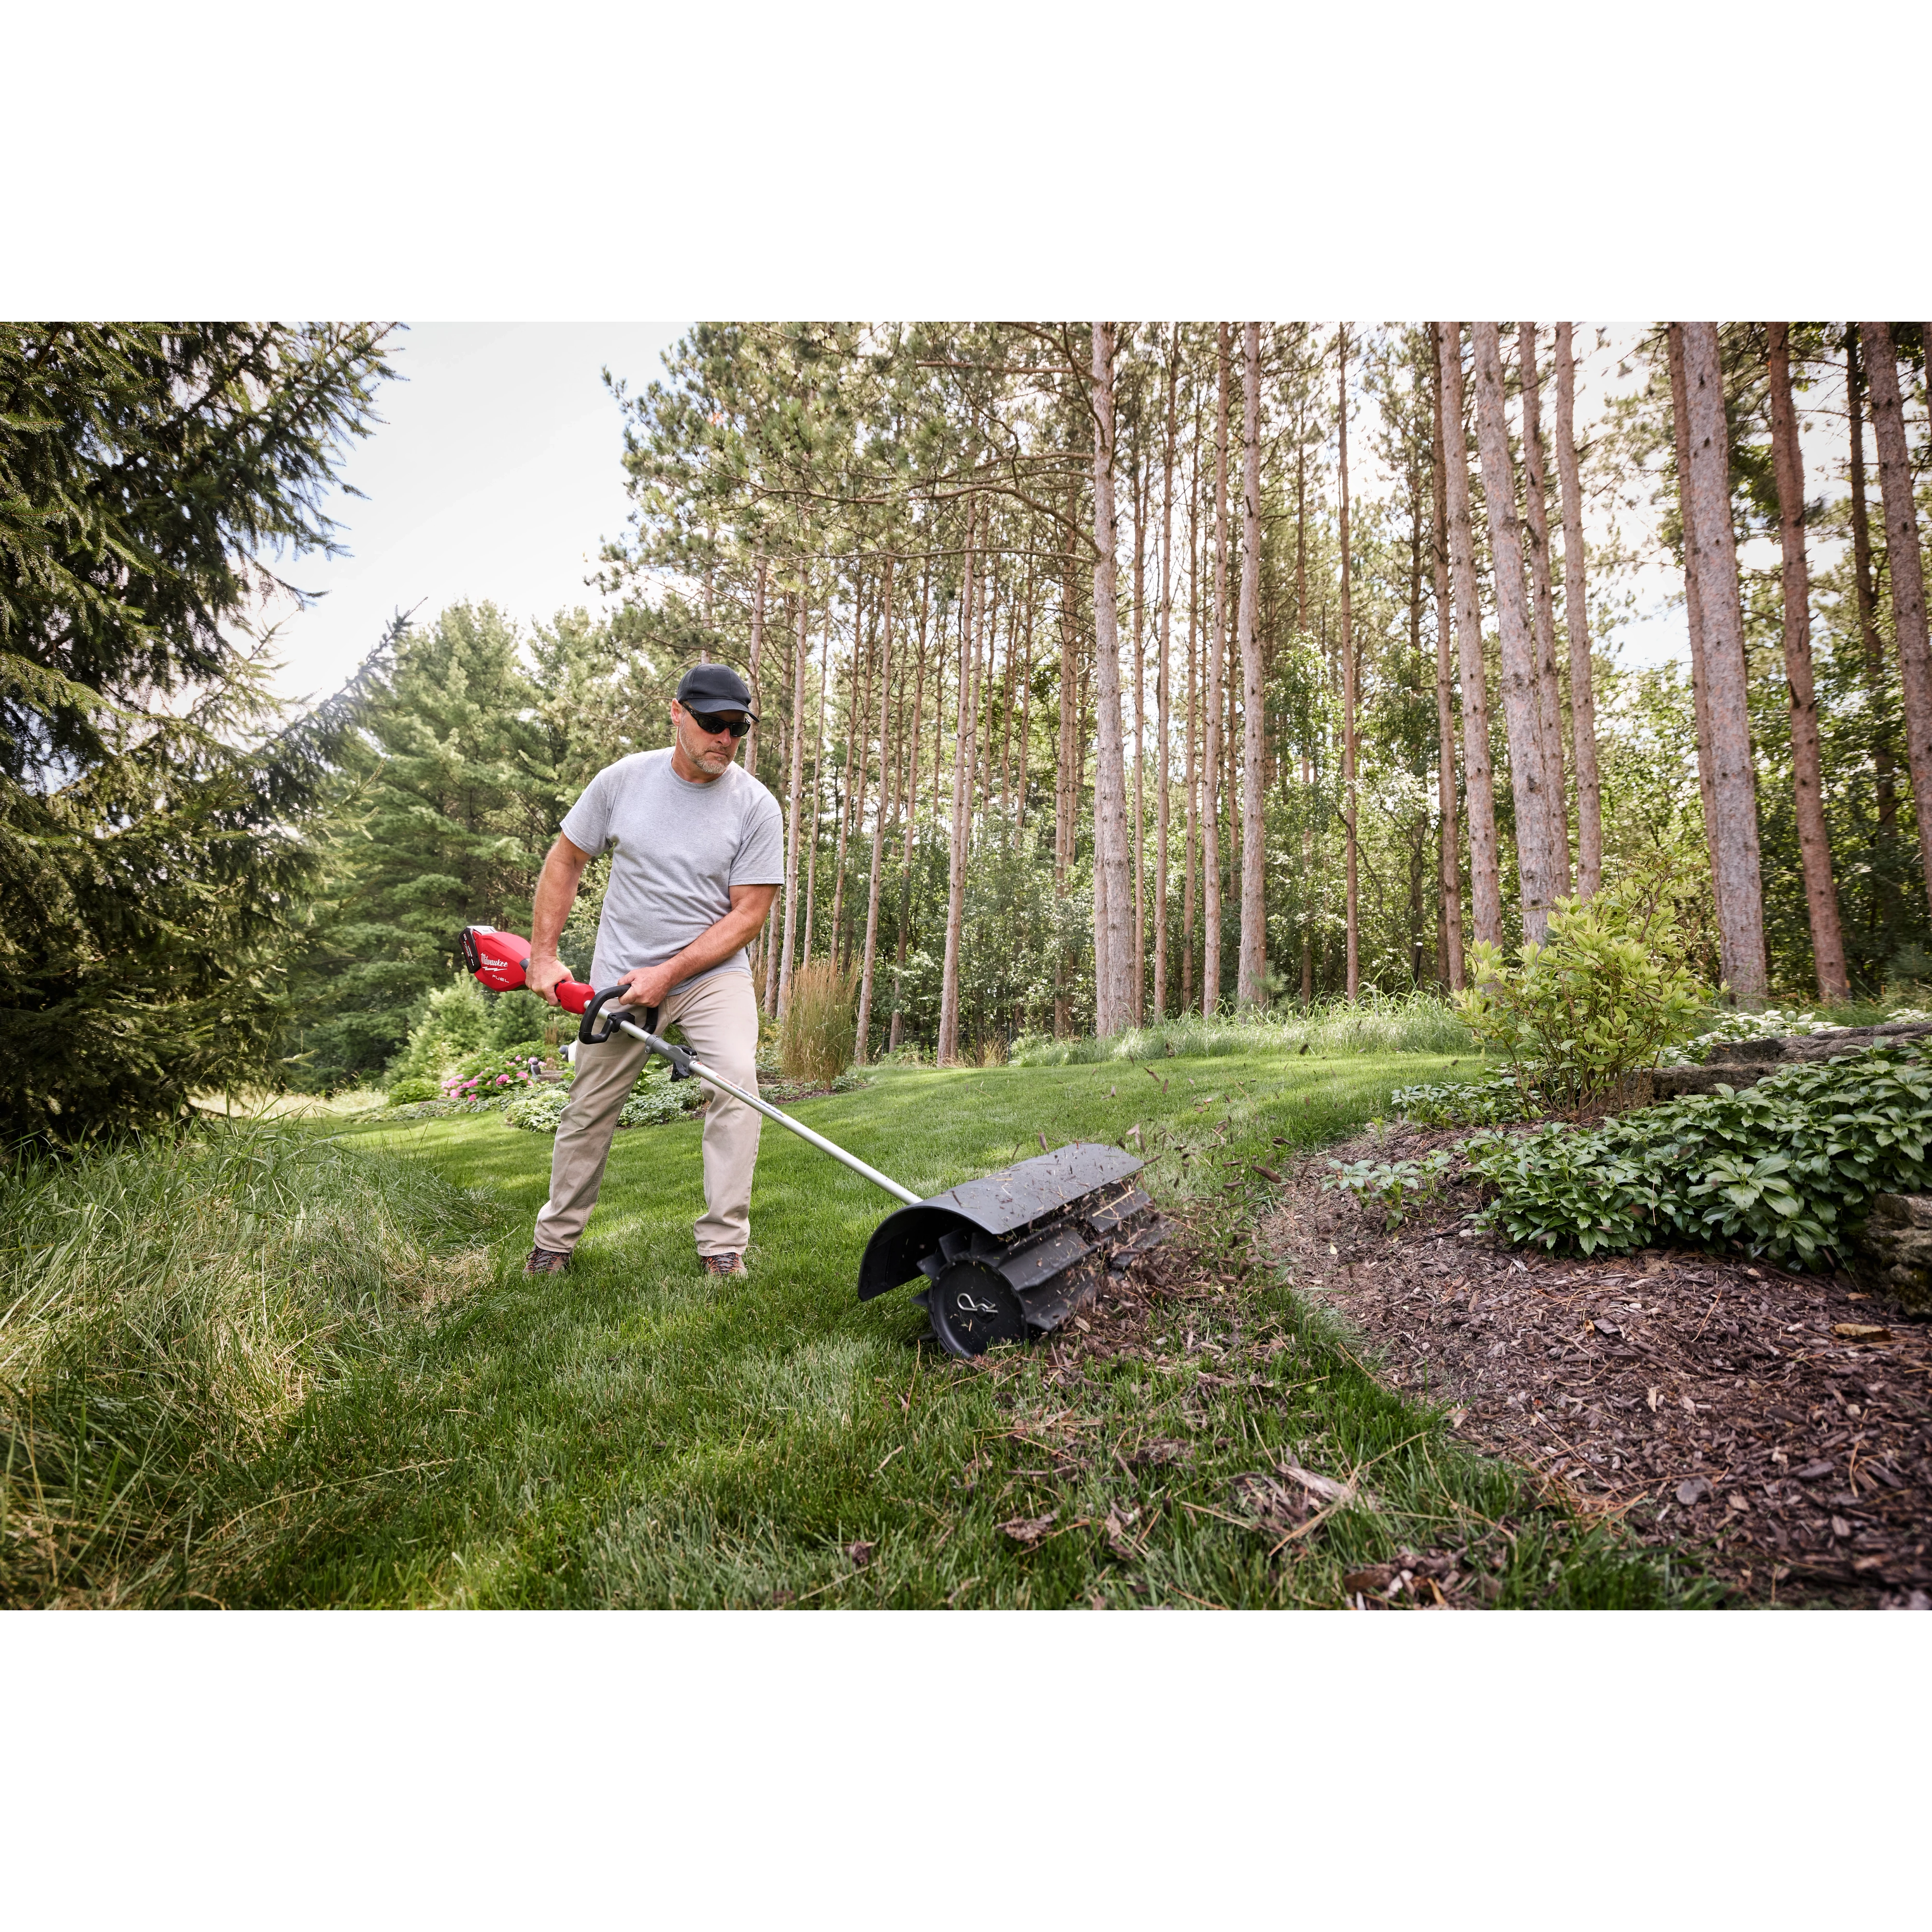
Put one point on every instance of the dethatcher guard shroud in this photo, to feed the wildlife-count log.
(1005, 1258)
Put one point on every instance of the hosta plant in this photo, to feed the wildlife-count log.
(1786, 1169)
(1392, 1184)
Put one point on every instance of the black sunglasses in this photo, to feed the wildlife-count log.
(713, 722)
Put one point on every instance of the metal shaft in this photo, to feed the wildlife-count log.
(771, 1113)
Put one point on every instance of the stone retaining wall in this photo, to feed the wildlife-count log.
(1738, 1063)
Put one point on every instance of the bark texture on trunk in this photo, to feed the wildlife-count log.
(963, 742)
(1139, 846)
(801, 647)
(1191, 842)
(871, 951)
(1217, 638)
(1814, 846)
(852, 791)
(1734, 840)
(1577, 622)
(1162, 704)
(1543, 604)
(817, 783)
(1536, 824)
(1448, 842)
(1114, 971)
(1694, 608)
(757, 653)
(911, 814)
(1906, 568)
(1347, 642)
(1884, 766)
(1251, 979)
(1479, 796)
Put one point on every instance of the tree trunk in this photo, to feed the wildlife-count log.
(1448, 844)
(1217, 636)
(1884, 765)
(1007, 720)
(818, 782)
(1162, 706)
(800, 648)
(1140, 735)
(1348, 646)
(1734, 779)
(986, 631)
(1251, 977)
(878, 817)
(1543, 607)
(757, 652)
(1479, 798)
(1537, 867)
(911, 817)
(852, 799)
(1191, 842)
(1026, 704)
(1907, 570)
(1694, 610)
(1576, 622)
(1814, 848)
(1113, 989)
(963, 736)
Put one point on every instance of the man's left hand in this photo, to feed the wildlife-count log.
(646, 985)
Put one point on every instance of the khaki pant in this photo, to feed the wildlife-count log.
(720, 1018)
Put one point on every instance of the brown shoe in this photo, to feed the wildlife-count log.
(724, 1265)
(546, 1260)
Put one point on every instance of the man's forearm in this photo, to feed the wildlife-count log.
(556, 893)
(715, 943)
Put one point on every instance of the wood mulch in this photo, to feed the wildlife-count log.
(1777, 1425)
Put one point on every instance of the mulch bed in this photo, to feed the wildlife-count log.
(1776, 1424)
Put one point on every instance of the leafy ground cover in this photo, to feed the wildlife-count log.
(1787, 1169)
(636, 1433)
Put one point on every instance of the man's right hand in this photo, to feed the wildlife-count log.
(543, 977)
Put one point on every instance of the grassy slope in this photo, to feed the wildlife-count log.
(636, 1434)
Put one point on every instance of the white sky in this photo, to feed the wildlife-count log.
(497, 474)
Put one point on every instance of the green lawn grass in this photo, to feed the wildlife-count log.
(637, 1433)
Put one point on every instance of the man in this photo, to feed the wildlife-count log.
(697, 857)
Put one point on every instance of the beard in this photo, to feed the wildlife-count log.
(706, 756)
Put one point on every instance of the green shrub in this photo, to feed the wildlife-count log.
(406, 1092)
(1600, 999)
(820, 1033)
(653, 1100)
(1786, 1169)
(1496, 1100)
(661, 1100)
(496, 1076)
(1392, 1183)
(453, 1022)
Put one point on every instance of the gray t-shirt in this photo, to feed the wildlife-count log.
(677, 849)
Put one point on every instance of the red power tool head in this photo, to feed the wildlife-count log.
(500, 960)
(496, 959)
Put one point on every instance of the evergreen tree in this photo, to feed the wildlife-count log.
(151, 844)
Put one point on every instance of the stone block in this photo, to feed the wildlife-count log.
(1895, 1248)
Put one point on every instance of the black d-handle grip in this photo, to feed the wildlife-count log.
(597, 1026)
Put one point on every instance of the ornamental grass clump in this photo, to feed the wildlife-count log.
(1787, 1169)
(821, 1031)
(1597, 1001)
